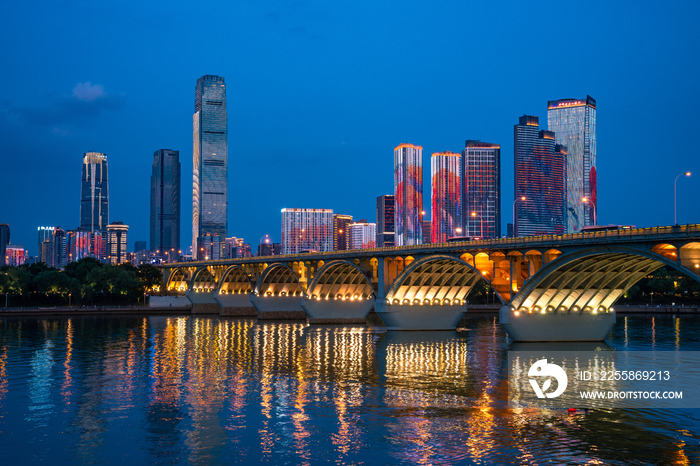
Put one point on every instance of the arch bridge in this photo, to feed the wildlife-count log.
(551, 288)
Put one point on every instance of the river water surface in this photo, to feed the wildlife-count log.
(210, 390)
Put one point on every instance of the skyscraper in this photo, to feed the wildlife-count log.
(165, 201)
(94, 192)
(446, 171)
(116, 242)
(540, 177)
(45, 236)
(341, 235)
(385, 221)
(306, 230)
(481, 189)
(210, 161)
(4, 240)
(363, 235)
(574, 125)
(408, 194)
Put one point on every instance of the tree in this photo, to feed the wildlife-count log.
(150, 276)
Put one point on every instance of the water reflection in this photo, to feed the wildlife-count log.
(199, 390)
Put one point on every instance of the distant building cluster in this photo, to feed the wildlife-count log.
(555, 193)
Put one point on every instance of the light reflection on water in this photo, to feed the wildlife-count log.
(200, 390)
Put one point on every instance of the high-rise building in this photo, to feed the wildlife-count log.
(363, 235)
(268, 248)
(82, 243)
(426, 230)
(116, 242)
(140, 246)
(540, 178)
(385, 221)
(574, 125)
(45, 236)
(59, 258)
(341, 237)
(165, 201)
(408, 194)
(4, 240)
(14, 255)
(307, 230)
(94, 192)
(210, 161)
(481, 189)
(446, 175)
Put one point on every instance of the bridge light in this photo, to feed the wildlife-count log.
(575, 308)
(562, 308)
(407, 301)
(426, 301)
(446, 301)
(517, 313)
(550, 308)
(544, 311)
(611, 310)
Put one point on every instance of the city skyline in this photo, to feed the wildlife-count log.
(326, 95)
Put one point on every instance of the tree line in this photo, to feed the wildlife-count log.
(84, 282)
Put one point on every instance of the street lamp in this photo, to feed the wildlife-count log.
(481, 228)
(521, 198)
(675, 219)
(585, 200)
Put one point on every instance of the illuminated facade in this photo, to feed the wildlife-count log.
(481, 189)
(165, 201)
(307, 230)
(82, 243)
(14, 255)
(210, 161)
(408, 194)
(341, 235)
(385, 221)
(574, 125)
(540, 177)
(116, 242)
(94, 192)
(45, 235)
(363, 235)
(446, 169)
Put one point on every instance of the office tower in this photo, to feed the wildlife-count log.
(540, 177)
(307, 230)
(59, 258)
(140, 246)
(116, 242)
(574, 125)
(4, 240)
(14, 255)
(236, 248)
(268, 248)
(408, 195)
(210, 161)
(165, 202)
(45, 235)
(481, 189)
(385, 221)
(211, 247)
(94, 192)
(362, 235)
(446, 175)
(82, 243)
(425, 231)
(341, 238)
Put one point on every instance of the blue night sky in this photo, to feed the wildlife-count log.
(319, 94)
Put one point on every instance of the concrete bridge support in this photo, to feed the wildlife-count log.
(278, 294)
(203, 302)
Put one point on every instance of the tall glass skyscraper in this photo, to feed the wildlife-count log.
(446, 171)
(165, 203)
(540, 177)
(306, 230)
(408, 194)
(210, 161)
(94, 192)
(385, 221)
(481, 189)
(574, 125)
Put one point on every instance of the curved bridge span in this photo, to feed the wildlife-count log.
(552, 288)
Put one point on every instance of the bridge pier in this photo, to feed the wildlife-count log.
(203, 302)
(272, 307)
(421, 316)
(235, 304)
(557, 325)
(347, 310)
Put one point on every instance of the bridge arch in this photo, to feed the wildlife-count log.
(278, 280)
(340, 279)
(235, 281)
(590, 280)
(439, 279)
(177, 280)
(203, 280)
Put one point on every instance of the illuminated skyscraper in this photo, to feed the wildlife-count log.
(210, 162)
(341, 235)
(385, 221)
(94, 192)
(481, 189)
(446, 169)
(165, 202)
(307, 230)
(408, 194)
(540, 177)
(574, 125)
(116, 242)
(363, 235)
(4, 240)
